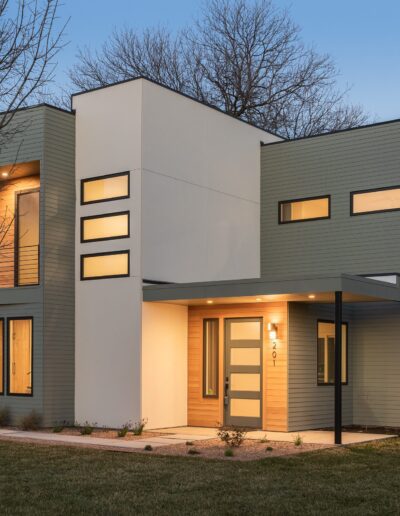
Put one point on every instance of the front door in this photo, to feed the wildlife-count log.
(243, 372)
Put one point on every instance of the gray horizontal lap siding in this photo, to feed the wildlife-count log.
(333, 165)
(311, 405)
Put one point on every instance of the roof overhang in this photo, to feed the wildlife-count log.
(317, 289)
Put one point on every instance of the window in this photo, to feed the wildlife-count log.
(105, 188)
(326, 353)
(105, 227)
(210, 357)
(297, 210)
(105, 265)
(27, 237)
(20, 356)
(1, 355)
(375, 201)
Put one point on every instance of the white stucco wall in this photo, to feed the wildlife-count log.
(164, 364)
(201, 191)
(108, 311)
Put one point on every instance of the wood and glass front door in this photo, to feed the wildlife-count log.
(243, 372)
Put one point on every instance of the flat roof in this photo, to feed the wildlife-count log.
(320, 288)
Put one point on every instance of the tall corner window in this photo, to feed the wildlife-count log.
(105, 188)
(375, 201)
(105, 227)
(297, 210)
(326, 353)
(210, 357)
(105, 265)
(20, 356)
(1, 356)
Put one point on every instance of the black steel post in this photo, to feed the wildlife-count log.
(338, 367)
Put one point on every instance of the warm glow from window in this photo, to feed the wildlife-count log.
(105, 266)
(106, 226)
(292, 211)
(20, 356)
(326, 353)
(378, 200)
(104, 189)
(210, 357)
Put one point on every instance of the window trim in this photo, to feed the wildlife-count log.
(107, 253)
(101, 216)
(19, 318)
(106, 176)
(205, 395)
(2, 348)
(370, 190)
(331, 384)
(313, 198)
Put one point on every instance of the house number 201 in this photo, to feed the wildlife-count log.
(274, 353)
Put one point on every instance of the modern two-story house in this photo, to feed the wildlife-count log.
(166, 261)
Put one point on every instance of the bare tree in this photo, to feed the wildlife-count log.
(30, 39)
(246, 58)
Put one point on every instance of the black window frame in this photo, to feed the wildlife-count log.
(2, 361)
(107, 253)
(19, 318)
(371, 190)
(313, 198)
(205, 321)
(105, 176)
(346, 324)
(103, 216)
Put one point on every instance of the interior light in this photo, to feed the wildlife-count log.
(210, 301)
(272, 330)
(4, 174)
(311, 296)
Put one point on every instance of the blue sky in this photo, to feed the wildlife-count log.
(362, 36)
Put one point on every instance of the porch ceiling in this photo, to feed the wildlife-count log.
(315, 289)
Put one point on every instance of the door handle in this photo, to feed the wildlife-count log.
(226, 390)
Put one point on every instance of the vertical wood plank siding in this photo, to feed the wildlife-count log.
(209, 411)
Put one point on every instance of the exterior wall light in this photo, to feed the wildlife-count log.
(4, 174)
(311, 296)
(210, 301)
(273, 330)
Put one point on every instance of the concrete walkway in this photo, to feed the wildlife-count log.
(308, 436)
(181, 435)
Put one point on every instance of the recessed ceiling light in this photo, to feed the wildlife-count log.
(258, 299)
(210, 301)
(311, 296)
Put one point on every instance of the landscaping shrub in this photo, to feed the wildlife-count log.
(31, 421)
(86, 429)
(189, 443)
(268, 448)
(148, 447)
(231, 436)
(298, 440)
(264, 439)
(57, 429)
(229, 452)
(138, 427)
(4, 416)
(124, 430)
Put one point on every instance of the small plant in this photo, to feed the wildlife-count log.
(268, 448)
(58, 429)
(148, 447)
(189, 443)
(298, 440)
(138, 427)
(193, 451)
(31, 421)
(232, 437)
(86, 429)
(264, 439)
(124, 430)
(4, 416)
(229, 452)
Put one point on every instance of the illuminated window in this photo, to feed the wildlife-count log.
(1, 355)
(20, 356)
(105, 227)
(105, 188)
(374, 201)
(105, 265)
(326, 353)
(304, 209)
(210, 357)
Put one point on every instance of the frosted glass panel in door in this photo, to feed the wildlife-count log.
(245, 356)
(245, 408)
(245, 330)
(245, 382)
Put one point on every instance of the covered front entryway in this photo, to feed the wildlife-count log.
(243, 372)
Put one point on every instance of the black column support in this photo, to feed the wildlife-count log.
(338, 367)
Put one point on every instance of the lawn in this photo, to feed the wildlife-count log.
(37, 479)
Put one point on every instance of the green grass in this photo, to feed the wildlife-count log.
(37, 479)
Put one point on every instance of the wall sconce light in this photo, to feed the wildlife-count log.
(4, 174)
(273, 330)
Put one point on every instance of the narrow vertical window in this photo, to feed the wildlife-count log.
(20, 356)
(27, 234)
(210, 357)
(326, 353)
(1, 356)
